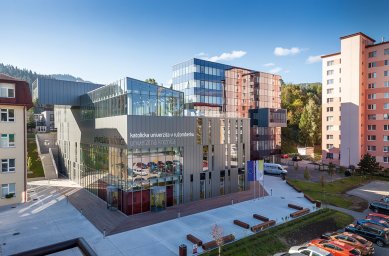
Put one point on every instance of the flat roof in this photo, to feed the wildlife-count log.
(357, 34)
(329, 55)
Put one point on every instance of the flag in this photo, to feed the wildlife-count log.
(250, 170)
(259, 170)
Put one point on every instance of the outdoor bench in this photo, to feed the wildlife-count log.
(310, 199)
(262, 226)
(297, 207)
(299, 213)
(260, 217)
(295, 188)
(194, 239)
(241, 224)
(212, 244)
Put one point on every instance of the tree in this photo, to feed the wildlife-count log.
(29, 163)
(310, 124)
(331, 169)
(369, 165)
(151, 81)
(217, 235)
(307, 175)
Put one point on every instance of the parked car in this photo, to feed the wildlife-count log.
(284, 156)
(274, 169)
(335, 247)
(289, 254)
(374, 233)
(141, 172)
(385, 199)
(309, 251)
(375, 222)
(366, 247)
(378, 216)
(379, 207)
(296, 158)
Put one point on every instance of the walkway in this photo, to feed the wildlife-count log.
(47, 141)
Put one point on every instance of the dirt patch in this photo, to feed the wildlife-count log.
(358, 204)
(315, 229)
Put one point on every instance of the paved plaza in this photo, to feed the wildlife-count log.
(53, 219)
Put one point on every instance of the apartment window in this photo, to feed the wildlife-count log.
(386, 159)
(386, 51)
(386, 73)
(371, 86)
(386, 137)
(386, 106)
(330, 109)
(386, 84)
(371, 148)
(330, 118)
(371, 117)
(330, 81)
(7, 140)
(386, 127)
(386, 62)
(372, 54)
(371, 106)
(386, 116)
(330, 72)
(371, 137)
(372, 64)
(330, 137)
(7, 165)
(7, 91)
(7, 189)
(330, 146)
(386, 148)
(330, 91)
(330, 127)
(329, 100)
(330, 63)
(372, 75)
(7, 115)
(330, 156)
(386, 95)
(371, 96)
(371, 127)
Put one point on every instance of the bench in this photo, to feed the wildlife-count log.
(212, 244)
(241, 224)
(310, 199)
(194, 239)
(260, 217)
(295, 188)
(297, 207)
(299, 213)
(262, 226)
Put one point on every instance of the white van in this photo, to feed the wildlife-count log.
(274, 169)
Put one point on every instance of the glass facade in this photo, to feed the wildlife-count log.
(132, 97)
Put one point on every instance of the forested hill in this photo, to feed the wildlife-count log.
(29, 76)
(303, 103)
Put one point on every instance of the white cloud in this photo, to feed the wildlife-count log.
(286, 71)
(313, 59)
(271, 64)
(275, 70)
(200, 54)
(279, 51)
(228, 56)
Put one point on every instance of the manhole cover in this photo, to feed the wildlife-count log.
(35, 199)
(15, 234)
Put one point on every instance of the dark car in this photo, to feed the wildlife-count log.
(379, 207)
(381, 223)
(296, 158)
(374, 233)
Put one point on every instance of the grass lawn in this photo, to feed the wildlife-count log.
(334, 192)
(36, 167)
(282, 237)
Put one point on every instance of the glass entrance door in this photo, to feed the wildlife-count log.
(158, 198)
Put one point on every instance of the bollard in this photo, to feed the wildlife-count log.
(104, 233)
(232, 201)
(182, 251)
(271, 191)
(178, 214)
(81, 211)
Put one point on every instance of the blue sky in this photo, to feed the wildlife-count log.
(103, 41)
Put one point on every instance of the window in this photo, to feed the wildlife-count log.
(7, 189)
(330, 137)
(371, 148)
(386, 159)
(372, 75)
(7, 90)
(371, 86)
(386, 116)
(7, 140)
(371, 117)
(7, 165)
(386, 148)
(371, 96)
(330, 146)
(330, 127)
(329, 100)
(386, 51)
(386, 73)
(386, 84)
(7, 115)
(386, 95)
(330, 72)
(386, 62)
(371, 137)
(386, 137)
(371, 127)
(330, 156)
(386, 127)
(330, 118)
(371, 106)
(330, 109)
(330, 63)
(330, 81)
(329, 91)
(372, 54)
(386, 106)
(372, 64)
